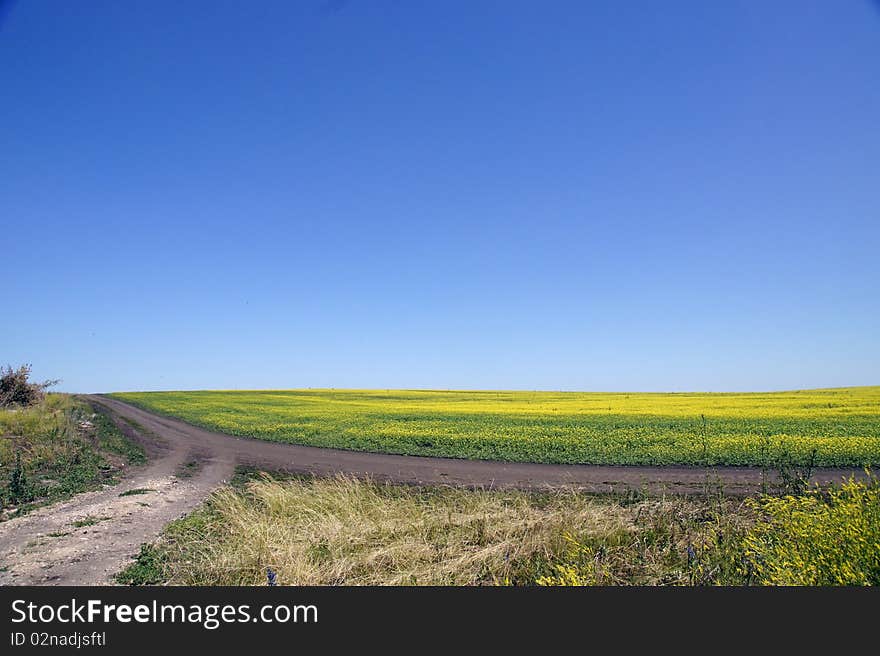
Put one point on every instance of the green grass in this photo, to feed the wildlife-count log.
(111, 440)
(136, 491)
(188, 469)
(147, 569)
(834, 427)
(56, 449)
(88, 520)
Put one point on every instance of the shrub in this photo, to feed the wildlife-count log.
(15, 389)
(819, 538)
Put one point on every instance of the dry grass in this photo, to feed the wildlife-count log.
(346, 532)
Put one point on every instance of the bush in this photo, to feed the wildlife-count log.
(830, 538)
(15, 389)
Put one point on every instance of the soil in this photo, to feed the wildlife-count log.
(91, 537)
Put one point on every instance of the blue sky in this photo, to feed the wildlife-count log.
(519, 195)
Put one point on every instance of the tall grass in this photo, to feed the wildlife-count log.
(343, 531)
(38, 433)
(56, 448)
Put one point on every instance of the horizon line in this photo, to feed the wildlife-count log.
(476, 390)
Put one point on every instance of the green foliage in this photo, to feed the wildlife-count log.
(111, 440)
(819, 538)
(88, 520)
(136, 491)
(58, 448)
(18, 490)
(784, 431)
(147, 569)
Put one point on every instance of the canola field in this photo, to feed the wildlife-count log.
(832, 427)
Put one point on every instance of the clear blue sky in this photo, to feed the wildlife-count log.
(522, 195)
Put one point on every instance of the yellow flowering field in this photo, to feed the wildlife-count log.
(833, 427)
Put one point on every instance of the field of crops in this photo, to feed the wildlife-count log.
(834, 426)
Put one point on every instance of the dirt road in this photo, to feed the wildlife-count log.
(88, 539)
(450, 471)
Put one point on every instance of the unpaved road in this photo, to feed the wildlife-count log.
(48, 547)
(89, 538)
